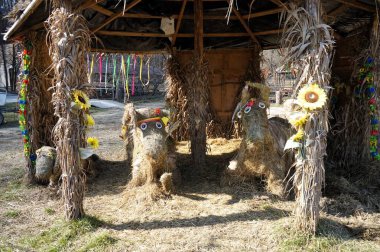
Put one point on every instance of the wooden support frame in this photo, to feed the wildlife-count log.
(186, 35)
(246, 27)
(116, 15)
(179, 21)
(357, 5)
(88, 4)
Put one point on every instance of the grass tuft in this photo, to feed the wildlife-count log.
(12, 213)
(63, 234)
(99, 243)
(49, 211)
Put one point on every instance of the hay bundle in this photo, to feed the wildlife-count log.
(309, 44)
(68, 39)
(42, 118)
(177, 98)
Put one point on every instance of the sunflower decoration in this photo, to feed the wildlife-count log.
(93, 142)
(298, 119)
(312, 97)
(299, 136)
(89, 120)
(81, 99)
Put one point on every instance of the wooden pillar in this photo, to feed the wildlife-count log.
(197, 80)
(68, 39)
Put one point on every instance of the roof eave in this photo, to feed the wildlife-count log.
(26, 13)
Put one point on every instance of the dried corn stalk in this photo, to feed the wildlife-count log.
(309, 44)
(68, 40)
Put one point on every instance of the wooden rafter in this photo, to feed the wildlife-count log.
(106, 12)
(186, 35)
(357, 5)
(116, 15)
(179, 21)
(246, 27)
(88, 4)
(337, 11)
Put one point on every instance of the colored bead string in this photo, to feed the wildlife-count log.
(366, 80)
(26, 56)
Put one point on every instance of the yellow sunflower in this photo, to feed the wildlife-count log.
(93, 142)
(81, 99)
(298, 119)
(312, 97)
(298, 137)
(89, 120)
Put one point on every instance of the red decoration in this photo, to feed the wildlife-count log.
(374, 132)
(157, 111)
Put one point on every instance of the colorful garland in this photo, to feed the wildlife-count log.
(366, 87)
(26, 57)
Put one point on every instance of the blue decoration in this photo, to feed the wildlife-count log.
(22, 102)
(374, 121)
(24, 132)
(33, 157)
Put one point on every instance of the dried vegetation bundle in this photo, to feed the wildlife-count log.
(68, 39)
(309, 44)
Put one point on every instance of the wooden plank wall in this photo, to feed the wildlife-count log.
(227, 69)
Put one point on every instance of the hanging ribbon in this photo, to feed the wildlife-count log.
(91, 68)
(105, 78)
(127, 76)
(141, 64)
(134, 70)
(100, 67)
(126, 88)
(114, 71)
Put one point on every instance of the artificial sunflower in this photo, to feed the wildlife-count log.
(298, 119)
(93, 142)
(89, 120)
(298, 137)
(81, 99)
(312, 97)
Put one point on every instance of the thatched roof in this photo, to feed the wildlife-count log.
(139, 27)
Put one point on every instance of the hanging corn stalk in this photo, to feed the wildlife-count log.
(309, 45)
(69, 40)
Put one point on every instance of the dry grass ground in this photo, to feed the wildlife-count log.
(202, 216)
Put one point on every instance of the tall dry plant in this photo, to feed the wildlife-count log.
(198, 96)
(68, 39)
(310, 45)
(176, 98)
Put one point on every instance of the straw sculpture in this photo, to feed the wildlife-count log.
(261, 153)
(68, 40)
(150, 150)
(310, 45)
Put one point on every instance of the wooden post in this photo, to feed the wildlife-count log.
(278, 97)
(198, 28)
(198, 93)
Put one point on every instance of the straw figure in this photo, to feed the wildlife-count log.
(261, 151)
(150, 149)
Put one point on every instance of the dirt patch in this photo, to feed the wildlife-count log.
(202, 216)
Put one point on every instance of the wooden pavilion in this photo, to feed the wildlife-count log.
(216, 44)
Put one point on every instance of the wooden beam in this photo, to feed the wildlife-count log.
(102, 10)
(263, 13)
(88, 4)
(116, 15)
(179, 21)
(205, 17)
(337, 11)
(186, 35)
(246, 27)
(357, 5)
(32, 28)
(198, 27)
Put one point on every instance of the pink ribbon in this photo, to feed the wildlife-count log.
(134, 74)
(100, 67)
